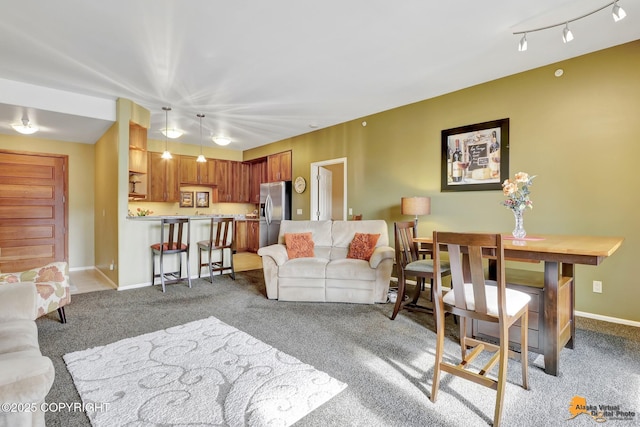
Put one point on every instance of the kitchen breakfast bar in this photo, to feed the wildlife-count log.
(143, 231)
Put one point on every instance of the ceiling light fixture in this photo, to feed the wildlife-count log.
(221, 140)
(26, 127)
(200, 158)
(166, 154)
(617, 12)
(172, 133)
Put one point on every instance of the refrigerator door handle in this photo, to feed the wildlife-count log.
(268, 208)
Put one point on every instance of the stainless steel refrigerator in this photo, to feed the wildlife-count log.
(275, 205)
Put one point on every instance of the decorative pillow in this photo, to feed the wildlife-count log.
(362, 246)
(299, 245)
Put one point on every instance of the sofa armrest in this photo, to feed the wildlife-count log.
(278, 252)
(25, 378)
(380, 254)
(18, 301)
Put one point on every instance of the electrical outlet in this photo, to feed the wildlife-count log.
(350, 211)
(299, 211)
(597, 286)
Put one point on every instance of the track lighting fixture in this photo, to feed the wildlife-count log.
(617, 12)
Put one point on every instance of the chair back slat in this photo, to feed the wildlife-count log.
(467, 254)
(220, 232)
(406, 247)
(174, 228)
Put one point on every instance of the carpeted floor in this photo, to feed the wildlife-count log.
(386, 364)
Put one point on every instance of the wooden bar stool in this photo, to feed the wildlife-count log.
(220, 240)
(177, 242)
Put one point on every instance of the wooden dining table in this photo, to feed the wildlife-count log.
(560, 254)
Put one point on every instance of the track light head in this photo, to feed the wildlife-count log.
(522, 46)
(567, 35)
(618, 12)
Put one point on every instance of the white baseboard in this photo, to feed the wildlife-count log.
(146, 284)
(608, 319)
(134, 286)
(90, 267)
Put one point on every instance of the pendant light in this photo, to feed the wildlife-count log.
(166, 154)
(200, 158)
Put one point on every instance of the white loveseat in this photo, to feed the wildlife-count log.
(329, 276)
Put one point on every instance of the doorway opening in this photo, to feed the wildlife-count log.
(329, 190)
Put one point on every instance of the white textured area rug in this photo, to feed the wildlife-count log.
(201, 373)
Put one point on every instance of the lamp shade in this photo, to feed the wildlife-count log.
(415, 206)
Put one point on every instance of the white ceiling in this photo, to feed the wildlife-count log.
(262, 71)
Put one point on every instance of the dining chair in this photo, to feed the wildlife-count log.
(173, 240)
(220, 241)
(409, 264)
(474, 297)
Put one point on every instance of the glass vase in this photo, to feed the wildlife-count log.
(519, 232)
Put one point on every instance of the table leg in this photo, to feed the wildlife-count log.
(568, 271)
(551, 351)
(559, 325)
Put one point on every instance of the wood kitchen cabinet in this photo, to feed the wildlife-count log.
(240, 182)
(253, 236)
(138, 164)
(232, 180)
(194, 173)
(163, 179)
(258, 176)
(222, 179)
(279, 167)
(240, 237)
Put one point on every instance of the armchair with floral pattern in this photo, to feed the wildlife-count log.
(52, 283)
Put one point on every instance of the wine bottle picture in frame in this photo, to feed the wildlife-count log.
(475, 157)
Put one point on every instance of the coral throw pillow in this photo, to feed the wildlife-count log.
(299, 245)
(362, 246)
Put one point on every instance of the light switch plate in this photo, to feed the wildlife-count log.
(299, 211)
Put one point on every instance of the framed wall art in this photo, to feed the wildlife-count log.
(186, 199)
(475, 157)
(202, 199)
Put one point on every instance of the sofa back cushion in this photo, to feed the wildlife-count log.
(343, 233)
(320, 233)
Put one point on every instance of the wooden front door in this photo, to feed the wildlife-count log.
(33, 210)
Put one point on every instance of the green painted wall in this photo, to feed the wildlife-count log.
(579, 133)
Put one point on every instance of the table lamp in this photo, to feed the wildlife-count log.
(134, 179)
(415, 206)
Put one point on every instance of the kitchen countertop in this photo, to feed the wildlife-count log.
(192, 217)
